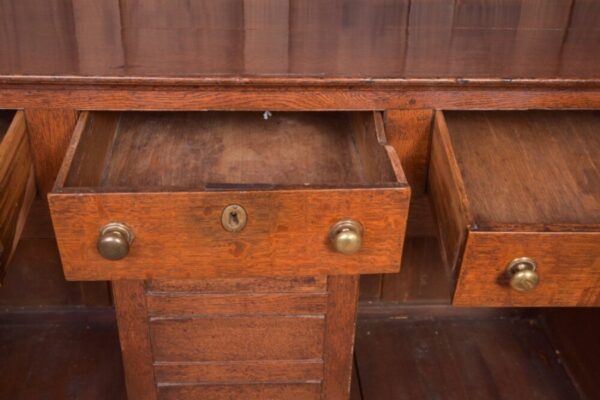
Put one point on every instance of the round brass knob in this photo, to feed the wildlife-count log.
(346, 236)
(522, 274)
(114, 241)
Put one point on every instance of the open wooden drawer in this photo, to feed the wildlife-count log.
(514, 192)
(169, 178)
(17, 183)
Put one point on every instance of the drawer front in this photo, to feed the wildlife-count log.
(246, 392)
(180, 235)
(226, 339)
(17, 183)
(568, 266)
(180, 227)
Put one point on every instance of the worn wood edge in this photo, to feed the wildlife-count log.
(318, 98)
(309, 284)
(65, 167)
(390, 151)
(16, 136)
(274, 80)
(537, 228)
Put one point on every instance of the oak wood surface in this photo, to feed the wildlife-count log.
(49, 134)
(302, 284)
(145, 151)
(569, 95)
(424, 278)
(568, 265)
(409, 133)
(201, 41)
(35, 278)
(60, 354)
(339, 336)
(223, 304)
(249, 392)
(134, 335)
(425, 353)
(249, 343)
(17, 185)
(573, 333)
(519, 184)
(536, 168)
(447, 194)
(175, 198)
(239, 372)
(223, 338)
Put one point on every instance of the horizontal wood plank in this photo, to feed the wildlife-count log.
(246, 392)
(240, 285)
(267, 303)
(237, 338)
(239, 372)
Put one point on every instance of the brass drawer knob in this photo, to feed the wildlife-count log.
(522, 274)
(346, 236)
(114, 241)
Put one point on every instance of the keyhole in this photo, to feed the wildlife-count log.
(234, 218)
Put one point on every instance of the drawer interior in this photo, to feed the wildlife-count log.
(534, 170)
(176, 150)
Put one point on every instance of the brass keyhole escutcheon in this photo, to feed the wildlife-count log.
(234, 218)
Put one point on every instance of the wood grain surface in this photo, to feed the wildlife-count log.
(568, 265)
(539, 169)
(249, 392)
(17, 185)
(180, 194)
(299, 284)
(134, 335)
(223, 304)
(49, 133)
(519, 184)
(239, 372)
(447, 194)
(409, 133)
(253, 42)
(431, 353)
(340, 324)
(222, 338)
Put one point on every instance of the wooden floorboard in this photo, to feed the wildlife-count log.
(73, 355)
(480, 356)
(574, 334)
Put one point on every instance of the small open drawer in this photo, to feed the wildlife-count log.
(229, 194)
(517, 199)
(17, 182)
